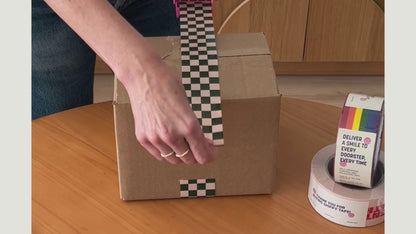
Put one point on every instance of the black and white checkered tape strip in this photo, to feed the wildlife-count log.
(200, 75)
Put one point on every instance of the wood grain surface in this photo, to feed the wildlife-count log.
(308, 36)
(283, 22)
(75, 183)
(344, 31)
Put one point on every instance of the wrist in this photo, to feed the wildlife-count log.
(133, 66)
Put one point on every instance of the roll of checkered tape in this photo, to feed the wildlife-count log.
(358, 140)
(200, 75)
(345, 204)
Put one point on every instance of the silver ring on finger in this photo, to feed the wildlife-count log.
(183, 154)
(166, 155)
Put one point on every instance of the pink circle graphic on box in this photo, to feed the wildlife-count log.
(343, 164)
(314, 190)
(351, 215)
(367, 140)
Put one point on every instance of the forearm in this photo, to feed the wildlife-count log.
(108, 34)
(163, 120)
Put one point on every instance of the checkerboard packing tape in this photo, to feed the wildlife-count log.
(197, 187)
(344, 204)
(358, 140)
(200, 75)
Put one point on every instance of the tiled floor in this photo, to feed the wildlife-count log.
(324, 89)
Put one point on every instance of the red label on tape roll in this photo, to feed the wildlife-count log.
(345, 204)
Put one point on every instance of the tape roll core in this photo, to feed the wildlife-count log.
(345, 204)
(378, 176)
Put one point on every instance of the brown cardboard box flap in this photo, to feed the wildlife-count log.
(243, 58)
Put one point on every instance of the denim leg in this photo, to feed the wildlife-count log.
(62, 64)
(151, 17)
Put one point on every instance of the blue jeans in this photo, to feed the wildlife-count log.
(63, 64)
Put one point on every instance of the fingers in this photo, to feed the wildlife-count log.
(202, 148)
(156, 147)
(177, 143)
(176, 149)
(180, 142)
(183, 152)
(165, 150)
(176, 152)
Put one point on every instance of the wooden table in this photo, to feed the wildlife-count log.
(75, 183)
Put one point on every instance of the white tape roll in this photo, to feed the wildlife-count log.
(347, 205)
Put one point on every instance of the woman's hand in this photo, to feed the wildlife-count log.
(164, 121)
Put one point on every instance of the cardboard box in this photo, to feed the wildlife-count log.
(251, 109)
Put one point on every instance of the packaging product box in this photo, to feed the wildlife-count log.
(247, 162)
